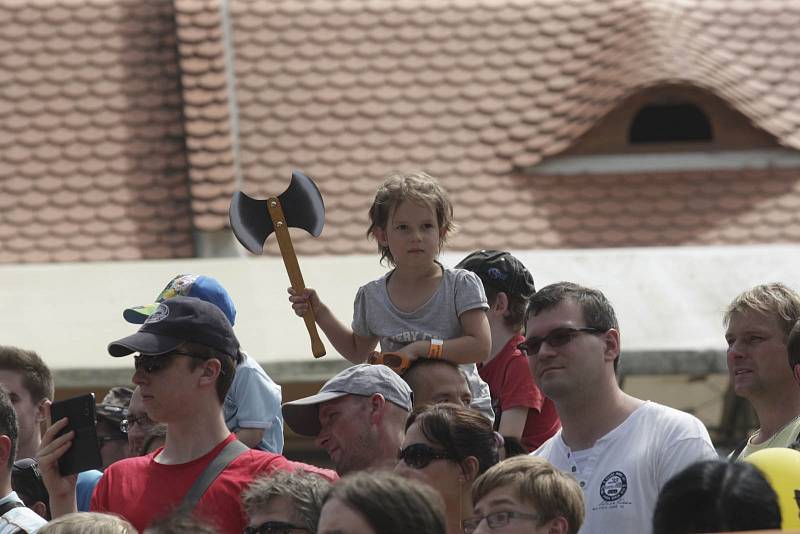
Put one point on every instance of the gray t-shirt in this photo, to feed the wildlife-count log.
(460, 290)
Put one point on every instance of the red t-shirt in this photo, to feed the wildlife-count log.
(511, 385)
(142, 490)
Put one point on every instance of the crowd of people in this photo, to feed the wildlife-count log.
(475, 404)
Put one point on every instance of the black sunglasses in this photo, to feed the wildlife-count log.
(420, 455)
(273, 527)
(153, 364)
(557, 337)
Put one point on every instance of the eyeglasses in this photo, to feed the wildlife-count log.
(142, 421)
(273, 527)
(555, 338)
(102, 440)
(420, 455)
(495, 520)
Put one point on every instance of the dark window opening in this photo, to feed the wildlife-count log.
(671, 123)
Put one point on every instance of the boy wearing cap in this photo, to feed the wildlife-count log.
(186, 360)
(358, 417)
(253, 403)
(521, 409)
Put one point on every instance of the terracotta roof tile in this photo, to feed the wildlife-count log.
(76, 83)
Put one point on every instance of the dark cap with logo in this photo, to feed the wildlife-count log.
(501, 271)
(178, 320)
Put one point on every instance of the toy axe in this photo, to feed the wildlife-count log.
(300, 206)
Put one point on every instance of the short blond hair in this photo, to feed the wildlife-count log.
(415, 186)
(772, 299)
(536, 482)
(88, 523)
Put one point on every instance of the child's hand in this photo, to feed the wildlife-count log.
(302, 301)
(412, 351)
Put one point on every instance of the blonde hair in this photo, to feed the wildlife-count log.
(535, 481)
(88, 523)
(772, 299)
(415, 186)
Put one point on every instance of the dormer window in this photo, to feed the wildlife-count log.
(670, 123)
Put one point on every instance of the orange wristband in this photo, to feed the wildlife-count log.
(436, 350)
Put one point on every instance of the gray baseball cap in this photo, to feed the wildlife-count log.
(302, 415)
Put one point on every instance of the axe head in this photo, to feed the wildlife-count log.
(302, 206)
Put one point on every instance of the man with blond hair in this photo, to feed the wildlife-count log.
(524, 491)
(758, 323)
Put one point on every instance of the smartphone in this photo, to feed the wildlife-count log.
(84, 454)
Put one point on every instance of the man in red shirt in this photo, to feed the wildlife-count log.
(521, 409)
(186, 363)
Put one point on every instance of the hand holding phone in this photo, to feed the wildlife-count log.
(84, 454)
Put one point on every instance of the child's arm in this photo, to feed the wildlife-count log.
(473, 347)
(513, 422)
(350, 345)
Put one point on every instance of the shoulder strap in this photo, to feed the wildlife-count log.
(229, 453)
(738, 450)
(10, 505)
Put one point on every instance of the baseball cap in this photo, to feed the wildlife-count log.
(302, 415)
(115, 404)
(500, 270)
(187, 285)
(175, 321)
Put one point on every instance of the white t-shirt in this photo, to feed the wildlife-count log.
(624, 471)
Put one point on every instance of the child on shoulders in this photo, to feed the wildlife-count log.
(419, 309)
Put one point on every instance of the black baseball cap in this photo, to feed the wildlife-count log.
(176, 321)
(500, 270)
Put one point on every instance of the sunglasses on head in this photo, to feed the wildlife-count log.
(393, 360)
(273, 527)
(419, 455)
(557, 337)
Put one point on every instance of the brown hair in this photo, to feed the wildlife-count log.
(415, 186)
(305, 491)
(535, 481)
(227, 365)
(36, 376)
(390, 503)
(461, 431)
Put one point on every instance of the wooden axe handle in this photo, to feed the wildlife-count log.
(293, 268)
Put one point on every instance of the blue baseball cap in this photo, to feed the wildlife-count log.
(187, 285)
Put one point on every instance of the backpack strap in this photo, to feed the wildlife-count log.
(229, 453)
(10, 505)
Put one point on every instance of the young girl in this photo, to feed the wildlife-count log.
(419, 309)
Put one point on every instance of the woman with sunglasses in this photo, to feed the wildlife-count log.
(447, 447)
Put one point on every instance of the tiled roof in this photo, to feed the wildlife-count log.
(117, 137)
(473, 91)
(92, 162)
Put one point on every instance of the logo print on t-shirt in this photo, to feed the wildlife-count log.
(614, 486)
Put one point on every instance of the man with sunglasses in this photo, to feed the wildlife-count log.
(187, 355)
(358, 417)
(620, 449)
